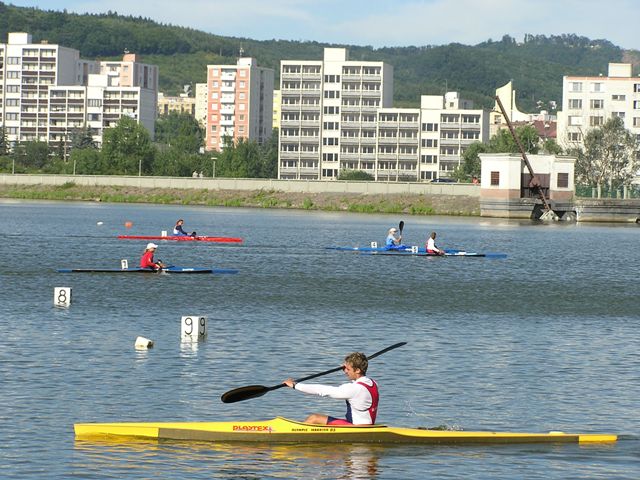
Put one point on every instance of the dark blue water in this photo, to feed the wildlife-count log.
(546, 339)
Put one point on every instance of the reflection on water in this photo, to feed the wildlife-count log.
(255, 460)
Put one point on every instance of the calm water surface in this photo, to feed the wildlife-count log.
(546, 339)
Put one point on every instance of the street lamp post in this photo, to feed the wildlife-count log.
(213, 167)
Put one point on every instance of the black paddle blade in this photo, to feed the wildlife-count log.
(244, 393)
(401, 226)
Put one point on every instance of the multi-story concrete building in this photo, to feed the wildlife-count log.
(449, 124)
(201, 104)
(588, 102)
(47, 91)
(276, 109)
(337, 115)
(324, 102)
(239, 103)
(180, 104)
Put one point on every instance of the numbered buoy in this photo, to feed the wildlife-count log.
(193, 327)
(128, 224)
(100, 223)
(143, 343)
(62, 296)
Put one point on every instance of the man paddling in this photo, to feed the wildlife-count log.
(431, 247)
(361, 394)
(394, 242)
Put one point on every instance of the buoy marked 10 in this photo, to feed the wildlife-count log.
(193, 326)
(62, 296)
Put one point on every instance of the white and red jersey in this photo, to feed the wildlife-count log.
(431, 246)
(361, 396)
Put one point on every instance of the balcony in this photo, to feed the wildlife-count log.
(350, 140)
(290, 107)
(310, 139)
(387, 140)
(449, 141)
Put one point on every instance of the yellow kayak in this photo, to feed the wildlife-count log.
(280, 430)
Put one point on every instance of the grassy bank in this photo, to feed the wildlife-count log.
(346, 202)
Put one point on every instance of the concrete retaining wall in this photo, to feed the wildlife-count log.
(298, 186)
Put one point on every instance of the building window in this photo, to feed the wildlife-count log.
(575, 87)
(243, 73)
(495, 179)
(13, 60)
(596, 121)
(636, 121)
(575, 137)
(620, 98)
(11, 102)
(597, 104)
(575, 103)
(429, 127)
(617, 114)
(242, 106)
(94, 102)
(597, 87)
(242, 96)
(636, 104)
(563, 180)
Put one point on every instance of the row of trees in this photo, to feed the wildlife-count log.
(127, 149)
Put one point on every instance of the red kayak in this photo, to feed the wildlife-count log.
(182, 238)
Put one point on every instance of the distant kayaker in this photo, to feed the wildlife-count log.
(431, 247)
(147, 260)
(361, 394)
(178, 231)
(394, 242)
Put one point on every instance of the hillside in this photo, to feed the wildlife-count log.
(536, 65)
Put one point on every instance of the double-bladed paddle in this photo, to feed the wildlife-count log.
(255, 391)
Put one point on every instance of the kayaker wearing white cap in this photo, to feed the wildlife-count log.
(393, 242)
(147, 260)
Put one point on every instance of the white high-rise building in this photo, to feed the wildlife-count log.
(588, 102)
(337, 115)
(324, 103)
(47, 91)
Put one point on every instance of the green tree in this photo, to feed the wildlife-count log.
(87, 161)
(471, 162)
(4, 142)
(127, 149)
(32, 156)
(609, 156)
(181, 131)
(355, 175)
(82, 138)
(247, 159)
(551, 147)
(503, 142)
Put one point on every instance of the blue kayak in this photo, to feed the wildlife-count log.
(376, 249)
(171, 270)
(457, 253)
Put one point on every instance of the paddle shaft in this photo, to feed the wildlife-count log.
(254, 391)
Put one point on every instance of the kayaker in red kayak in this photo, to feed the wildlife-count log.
(179, 231)
(361, 394)
(147, 260)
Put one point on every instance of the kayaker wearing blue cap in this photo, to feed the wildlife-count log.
(393, 242)
(178, 231)
(361, 394)
(147, 260)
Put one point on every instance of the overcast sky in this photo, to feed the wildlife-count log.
(381, 23)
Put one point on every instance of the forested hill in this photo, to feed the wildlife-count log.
(536, 64)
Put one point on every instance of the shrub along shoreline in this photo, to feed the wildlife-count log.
(412, 204)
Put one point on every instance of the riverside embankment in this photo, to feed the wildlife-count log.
(373, 197)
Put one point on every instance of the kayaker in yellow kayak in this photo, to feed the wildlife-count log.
(361, 394)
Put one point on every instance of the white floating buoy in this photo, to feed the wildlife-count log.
(100, 223)
(193, 327)
(143, 343)
(62, 296)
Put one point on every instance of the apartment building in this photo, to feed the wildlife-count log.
(239, 103)
(183, 103)
(588, 102)
(323, 102)
(47, 91)
(337, 115)
(449, 124)
(201, 104)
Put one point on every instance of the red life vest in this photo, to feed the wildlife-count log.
(375, 396)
